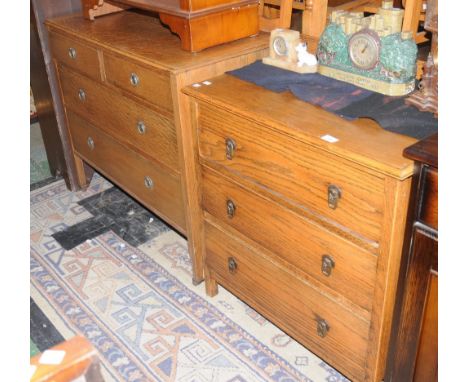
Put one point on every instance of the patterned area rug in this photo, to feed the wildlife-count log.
(138, 307)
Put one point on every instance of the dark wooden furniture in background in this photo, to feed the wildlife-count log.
(200, 24)
(120, 79)
(44, 85)
(413, 350)
(427, 98)
(303, 216)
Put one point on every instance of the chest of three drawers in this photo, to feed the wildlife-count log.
(309, 233)
(120, 79)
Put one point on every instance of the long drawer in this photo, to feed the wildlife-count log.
(316, 321)
(328, 258)
(145, 180)
(312, 178)
(151, 84)
(135, 125)
(80, 57)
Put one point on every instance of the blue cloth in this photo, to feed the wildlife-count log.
(346, 100)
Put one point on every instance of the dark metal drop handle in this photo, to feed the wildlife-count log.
(322, 327)
(334, 195)
(230, 209)
(232, 265)
(230, 148)
(327, 265)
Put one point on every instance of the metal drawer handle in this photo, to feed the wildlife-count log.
(230, 208)
(72, 53)
(334, 194)
(230, 148)
(134, 79)
(141, 127)
(232, 265)
(322, 327)
(91, 143)
(81, 95)
(149, 183)
(327, 265)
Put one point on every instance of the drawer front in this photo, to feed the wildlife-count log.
(344, 267)
(80, 57)
(293, 305)
(301, 174)
(142, 128)
(429, 202)
(151, 84)
(143, 179)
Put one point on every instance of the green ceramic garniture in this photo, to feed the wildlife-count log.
(370, 52)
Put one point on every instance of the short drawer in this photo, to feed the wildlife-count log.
(151, 84)
(319, 323)
(298, 173)
(143, 129)
(78, 56)
(145, 180)
(342, 266)
(429, 207)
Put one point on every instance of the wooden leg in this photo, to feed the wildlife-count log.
(211, 286)
(81, 173)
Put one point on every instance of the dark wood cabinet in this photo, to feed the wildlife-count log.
(413, 348)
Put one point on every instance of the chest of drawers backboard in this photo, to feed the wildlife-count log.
(307, 232)
(120, 79)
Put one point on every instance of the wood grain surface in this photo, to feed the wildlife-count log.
(429, 207)
(85, 60)
(136, 42)
(263, 153)
(297, 240)
(288, 302)
(361, 141)
(119, 117)
(141, 37)
(129, 169)
(302, 175)
(153, 85)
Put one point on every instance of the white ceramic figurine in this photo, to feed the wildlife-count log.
(304, 57)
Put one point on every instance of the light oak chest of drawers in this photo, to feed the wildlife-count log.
(120, 79)
(307, 232)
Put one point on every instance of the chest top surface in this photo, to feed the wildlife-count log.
(142, 36)
(361, 141)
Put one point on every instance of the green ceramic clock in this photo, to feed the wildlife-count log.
(370, 52)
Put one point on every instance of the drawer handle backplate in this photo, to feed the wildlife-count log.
(134, 79)
(322, 327)
(232, 265)
(230, 208)
(334, 194)
(141, 127)
(81, 95)
(72, 53)
(230, 148)
(327, 265)
(149, 184)
(91, 143)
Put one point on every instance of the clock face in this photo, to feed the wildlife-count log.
(280, 46)
(364, 49)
